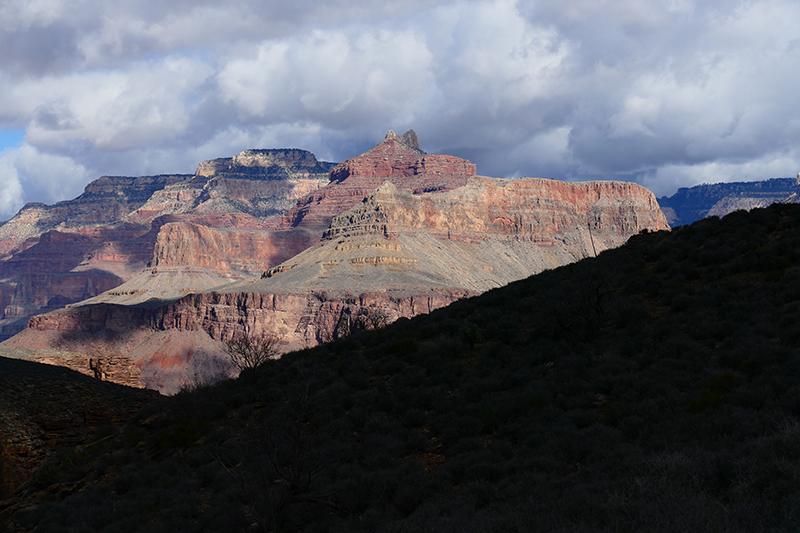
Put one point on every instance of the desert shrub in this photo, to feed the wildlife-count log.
(248, 352)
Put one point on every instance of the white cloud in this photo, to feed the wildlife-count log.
(29, 175)
(10, 188)
(46, 177)
(146, 104)
(22, 14)
(337, 78)
(664, 91)
(666, 179)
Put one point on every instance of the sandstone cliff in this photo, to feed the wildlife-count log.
(482, 235)
(56, 255)
(200, 248)
(396, 159)
(106, 200)
(394, 254)
(260, 183)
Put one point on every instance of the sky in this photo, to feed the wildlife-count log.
(666, 93)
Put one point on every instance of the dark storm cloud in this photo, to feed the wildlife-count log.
(665, 92)
(39, 51)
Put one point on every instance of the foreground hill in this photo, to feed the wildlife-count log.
(654, 388)
(44, 408)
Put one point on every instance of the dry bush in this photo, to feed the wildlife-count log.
(247, 352)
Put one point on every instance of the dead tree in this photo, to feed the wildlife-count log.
(247, 352)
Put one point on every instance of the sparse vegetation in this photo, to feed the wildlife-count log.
(653, 388)
(248, 352)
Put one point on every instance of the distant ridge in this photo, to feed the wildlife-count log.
(690, 204)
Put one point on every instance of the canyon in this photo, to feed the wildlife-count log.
(52, 256)
(394, 232)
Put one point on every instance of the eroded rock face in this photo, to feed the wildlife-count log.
(231, 242)
(275, 164)
(397, 160)
(525, 208)
(173, 344)
(106, 200)
(203, 247)
(74, 250)
(394, 254)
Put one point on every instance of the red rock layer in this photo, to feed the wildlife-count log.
(508, 222)
(513, 229)
(232, 242)
(526, 208)
(163, 341)
(392, 160)
(55, 255)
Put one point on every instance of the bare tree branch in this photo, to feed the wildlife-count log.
(248, 352)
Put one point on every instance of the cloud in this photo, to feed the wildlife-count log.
(668, 92)
(10, 188)
(666, 179)
(29, 175)
(337, 78)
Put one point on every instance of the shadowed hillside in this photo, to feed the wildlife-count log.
(654, 388)
(45, 408)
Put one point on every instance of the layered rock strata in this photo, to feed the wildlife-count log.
(397, 159)
(395, 254)
(689, 204)
(201, 249)
(74, 250)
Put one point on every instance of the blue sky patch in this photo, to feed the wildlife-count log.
(11, 138)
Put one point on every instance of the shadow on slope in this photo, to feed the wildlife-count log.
(44, 408)
(654, 388)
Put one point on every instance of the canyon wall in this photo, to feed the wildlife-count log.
(202, 248)
(394, 254)
(52, 256)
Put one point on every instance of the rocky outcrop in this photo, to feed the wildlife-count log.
(523, 209)
(689, 204)
(106, 200)
(94, 362)
(230, 242)
(395, 254)
(194, 253)
(261, 183)
(67, 266)
(275, 164)
(202, 247)
(177, 342)
(485, 234)
(397, 159)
